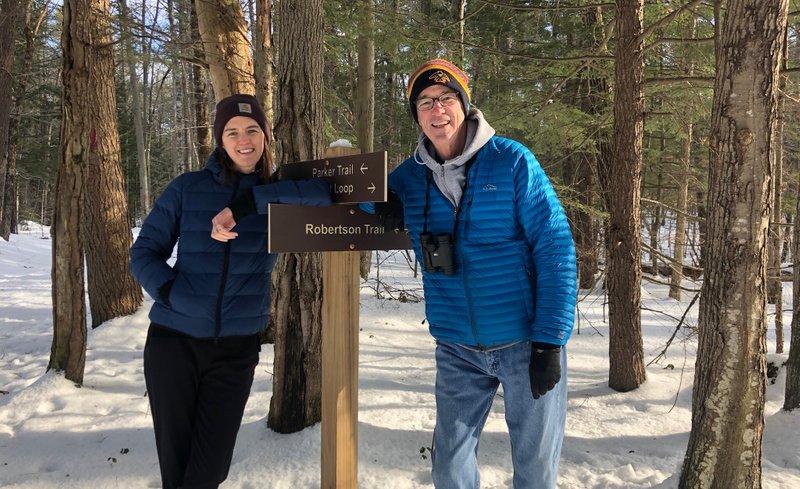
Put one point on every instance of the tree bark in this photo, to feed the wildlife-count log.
(591, 92)
(365, 96)
(203, 137)
(10, 207)
(136, 110)
(682, 179)
(9, 21)
(297, 281)
(676, 277)
(227, 50)
(792, 390)
(655, 225)
(626, 353)
(724, 449)
(264, 57)
(113, 292)
(68, 350)
(775, 282)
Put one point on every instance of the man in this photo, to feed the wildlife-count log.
(499, 279)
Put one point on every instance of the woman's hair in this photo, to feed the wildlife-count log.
(263, 168)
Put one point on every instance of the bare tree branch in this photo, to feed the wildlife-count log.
(663, 80)
(674, 333)
(664, 21)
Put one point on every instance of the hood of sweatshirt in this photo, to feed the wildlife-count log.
(450, 175)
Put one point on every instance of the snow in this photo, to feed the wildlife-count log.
(56, 435)
(341, 143)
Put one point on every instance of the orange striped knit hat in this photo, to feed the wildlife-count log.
(438, 71)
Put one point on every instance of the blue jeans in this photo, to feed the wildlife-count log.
(466, 384)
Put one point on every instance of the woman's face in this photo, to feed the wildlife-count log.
(243, 140)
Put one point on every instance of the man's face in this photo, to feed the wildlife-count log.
(443, 125)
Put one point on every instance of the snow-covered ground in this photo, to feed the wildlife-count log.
(55, 435)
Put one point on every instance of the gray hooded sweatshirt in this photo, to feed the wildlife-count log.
(449, 175)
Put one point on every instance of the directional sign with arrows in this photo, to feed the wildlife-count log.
(297, 229)
(355, 178)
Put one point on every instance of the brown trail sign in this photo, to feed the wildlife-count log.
(340, 230)
(353, 178)
(334, 228)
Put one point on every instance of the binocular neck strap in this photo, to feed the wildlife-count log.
(428, 178)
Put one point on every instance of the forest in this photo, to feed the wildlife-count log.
(651, 117)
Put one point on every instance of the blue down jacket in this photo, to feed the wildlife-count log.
(219, 289)
(515, 266)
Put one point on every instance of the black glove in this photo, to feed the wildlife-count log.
(390, 213)
(545, 368)
(243, 205)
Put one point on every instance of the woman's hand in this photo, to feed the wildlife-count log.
(222, 224)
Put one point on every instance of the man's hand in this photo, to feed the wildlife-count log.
(390, 213)
(222, 224)
(545, 368)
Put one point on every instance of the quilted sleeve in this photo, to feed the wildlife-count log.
(315, 192)
(153, 246)
(547, 231)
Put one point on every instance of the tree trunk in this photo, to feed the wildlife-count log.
(68, 351)
(596, 102)
(461, 8)
(626, 353)
(8, 221)
(655, 225)
(676, 277)
(297, 281)
(577, 174)
(136, 110)
(9, 21)
(724, 449)
(199, 76)
(113, 292)
(264, 57)
(227, 50)
(264, 54)
(775, 283)
(585, 233)
(792, 389)
(178, 147)
(682, 179)
(365, 96)
(10, 207)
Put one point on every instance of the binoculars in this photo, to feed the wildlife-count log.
(437, 253)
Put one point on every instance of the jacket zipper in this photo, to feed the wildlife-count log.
(225, 264)
(470, 307)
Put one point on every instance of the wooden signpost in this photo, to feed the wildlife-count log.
(339, 230)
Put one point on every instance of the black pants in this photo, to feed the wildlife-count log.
(198, 389)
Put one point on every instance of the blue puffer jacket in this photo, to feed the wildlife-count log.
(514, 255)
(218, 289)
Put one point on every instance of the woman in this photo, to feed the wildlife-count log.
(202, 345)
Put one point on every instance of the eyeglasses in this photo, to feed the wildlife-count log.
(445, 100)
